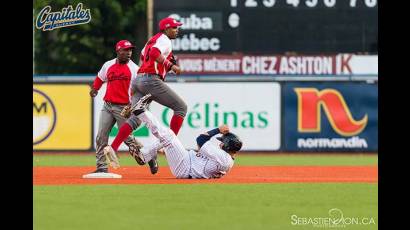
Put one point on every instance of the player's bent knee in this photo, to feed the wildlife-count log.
(184, 109)
(134, 122)
(180, 109)
(168, 138)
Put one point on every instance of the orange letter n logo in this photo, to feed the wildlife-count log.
(334, 105)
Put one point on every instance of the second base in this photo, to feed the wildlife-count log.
(102, 176)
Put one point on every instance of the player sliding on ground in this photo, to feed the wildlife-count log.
(212, 160)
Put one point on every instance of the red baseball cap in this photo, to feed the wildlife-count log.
(167, 23)
(123, 44)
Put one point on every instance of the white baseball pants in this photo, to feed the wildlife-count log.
(177, 156)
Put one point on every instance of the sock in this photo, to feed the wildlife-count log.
(176, 123)
(123, 133)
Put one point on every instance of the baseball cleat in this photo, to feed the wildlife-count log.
(111, 157)
(135, 151)
(101, 170)
(153, 165)
(141, 105)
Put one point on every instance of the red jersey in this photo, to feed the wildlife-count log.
(164, 45)
(118, 77)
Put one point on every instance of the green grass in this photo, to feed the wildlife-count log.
(203, 206)
(243, 159)
(199, 206)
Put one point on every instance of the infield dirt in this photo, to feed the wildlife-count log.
(51, 175)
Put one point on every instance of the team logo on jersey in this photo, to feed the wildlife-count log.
(309, 118)
(44, 116)
(47, 20)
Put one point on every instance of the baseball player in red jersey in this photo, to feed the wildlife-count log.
(156, 60)
(117, 73)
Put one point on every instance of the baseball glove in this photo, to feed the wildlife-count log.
(173, 60)
(126, 111)
(135, 151)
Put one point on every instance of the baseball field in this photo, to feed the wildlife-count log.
(276, 191)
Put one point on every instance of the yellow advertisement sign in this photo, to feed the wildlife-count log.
(62, 117)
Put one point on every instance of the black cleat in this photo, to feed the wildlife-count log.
(141, 105)
(101, 170)
(153, 166)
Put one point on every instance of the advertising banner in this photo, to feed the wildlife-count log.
(341, 64)
(330, 117)
(61, 117)
(252, 110)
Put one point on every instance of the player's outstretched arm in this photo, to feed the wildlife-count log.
(203, 138)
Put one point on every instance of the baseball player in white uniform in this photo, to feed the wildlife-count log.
(212, 160)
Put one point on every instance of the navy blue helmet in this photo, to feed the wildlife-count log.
(231, 142)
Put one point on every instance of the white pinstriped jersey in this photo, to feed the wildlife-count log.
(209, 161)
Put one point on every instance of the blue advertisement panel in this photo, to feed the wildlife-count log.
(330, 117)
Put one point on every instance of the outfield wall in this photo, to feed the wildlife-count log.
(330, 116)
(62, 117)
(268, 116)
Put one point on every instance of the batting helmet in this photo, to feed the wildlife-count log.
(231, 142)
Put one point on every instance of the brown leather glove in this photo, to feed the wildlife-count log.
(126, 111)
(93, 92)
